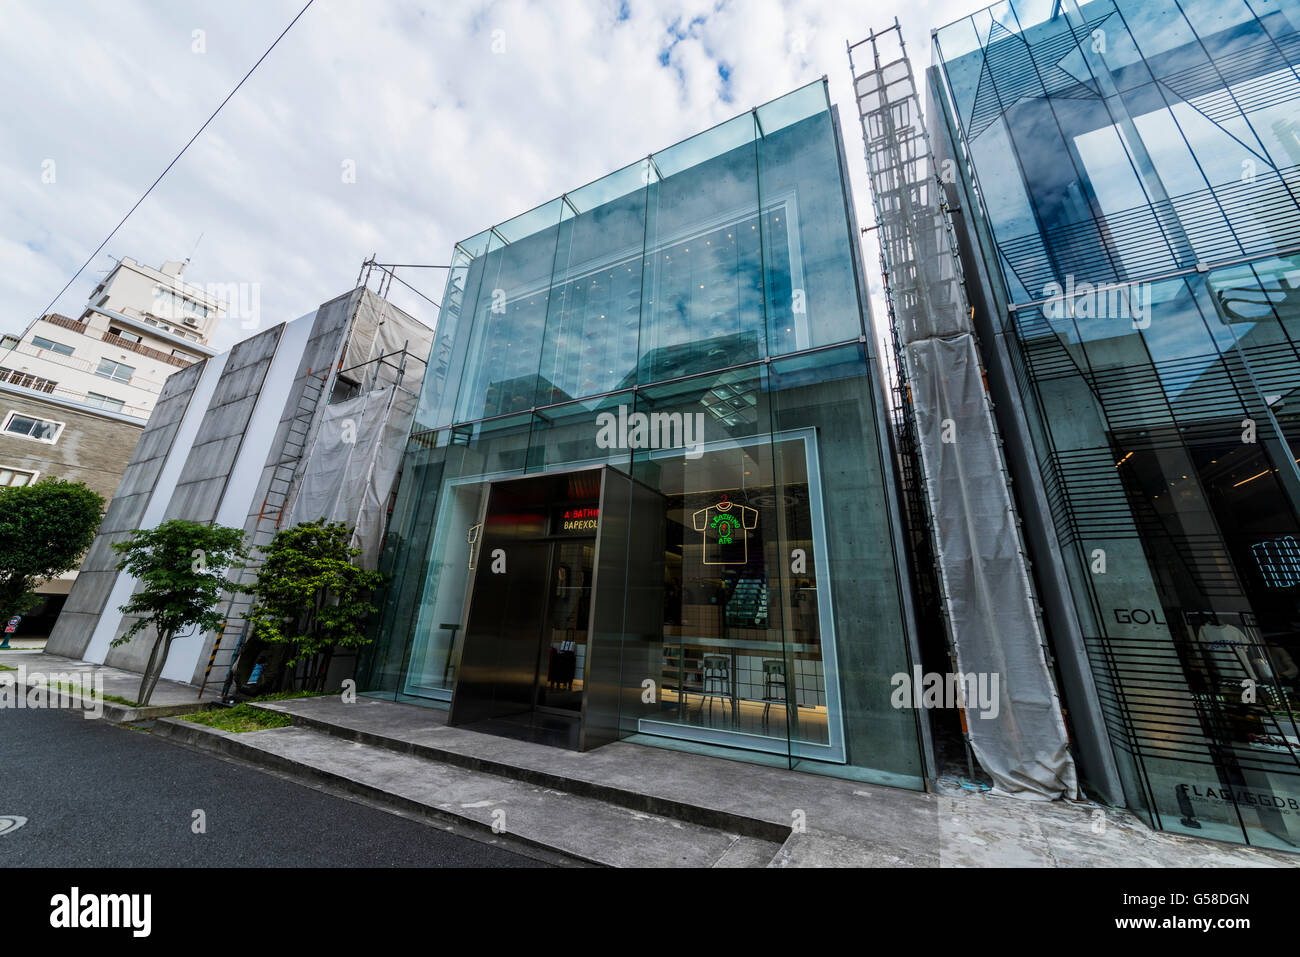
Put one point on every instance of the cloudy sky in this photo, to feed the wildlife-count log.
(455, 115)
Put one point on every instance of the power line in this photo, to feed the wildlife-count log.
(175, 159)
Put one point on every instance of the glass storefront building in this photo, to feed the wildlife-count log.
(1128, 175)
(649, 491)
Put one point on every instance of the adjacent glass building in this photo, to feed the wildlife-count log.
(648, 493)
(1128, 179)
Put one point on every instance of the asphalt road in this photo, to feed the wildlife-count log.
(97, 795)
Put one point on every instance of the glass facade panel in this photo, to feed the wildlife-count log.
(501, 365)
(809, 266)
(702, 295)
(594, 314)
(1144, 224)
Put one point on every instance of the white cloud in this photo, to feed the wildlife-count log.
(448, 137)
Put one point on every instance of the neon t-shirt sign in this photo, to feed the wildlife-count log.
(726, 527)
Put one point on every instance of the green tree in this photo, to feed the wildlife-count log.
(310, 595)
(181, 566)
(44, 530)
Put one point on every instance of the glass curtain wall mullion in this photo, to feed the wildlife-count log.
(763, 258)
(565, 207)
(1158, 198)
(1139, 162)
(788, 674)
(445, 414)
(1002, 109)
(865, 330)
(652, 178)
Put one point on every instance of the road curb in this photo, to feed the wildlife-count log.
(113, 712)
(228, 744)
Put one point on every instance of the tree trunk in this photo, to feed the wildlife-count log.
(142, 696)
(324, 669)
(166, 644)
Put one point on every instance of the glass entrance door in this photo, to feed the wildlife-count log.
(562, 666)
(524, 654)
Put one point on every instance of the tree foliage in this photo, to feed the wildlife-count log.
(181, 566)
(45, 529)
(309, 593)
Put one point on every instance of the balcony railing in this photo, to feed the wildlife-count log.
(59, 358)
(27, 381)
(138, 381)
(57, 320)
(81, 327)
(146, 351)
(47, 387)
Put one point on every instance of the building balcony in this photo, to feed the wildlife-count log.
(138, 381)
(38, 387)
(146, 351)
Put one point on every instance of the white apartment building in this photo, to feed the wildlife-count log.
(139, 325)
(76, 394)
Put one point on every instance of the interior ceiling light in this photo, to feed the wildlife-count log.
(1252, 478)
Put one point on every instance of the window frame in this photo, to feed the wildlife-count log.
(105, 399)
(14, 413)
(32, 476)
(53, 346)
(99, 371)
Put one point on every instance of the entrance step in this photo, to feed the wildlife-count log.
(582, 829)
(422, 732)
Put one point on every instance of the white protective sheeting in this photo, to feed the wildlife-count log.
(992, 620)
(381, 329)
(353, 464)
(1022, 743)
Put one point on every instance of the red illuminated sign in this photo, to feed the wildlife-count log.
(579, 519)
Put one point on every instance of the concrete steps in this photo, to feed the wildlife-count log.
(581, 828)
(369, 723)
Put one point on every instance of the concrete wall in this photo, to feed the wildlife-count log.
(220, 433)
(89, 595)
(91, 448)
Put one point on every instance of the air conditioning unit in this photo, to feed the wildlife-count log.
(191, 321)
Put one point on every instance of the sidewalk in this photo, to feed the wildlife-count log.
(169, 697)
(632, 804)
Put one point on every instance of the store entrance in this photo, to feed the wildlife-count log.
(530, 666)
(530, 622)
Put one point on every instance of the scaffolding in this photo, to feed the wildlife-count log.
(947, 433)
(341, 452)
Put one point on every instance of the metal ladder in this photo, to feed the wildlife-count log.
(234, 631)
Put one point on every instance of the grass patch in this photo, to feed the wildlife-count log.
(291, 695)
(7, 668)
(90, 693)
(238, 719)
